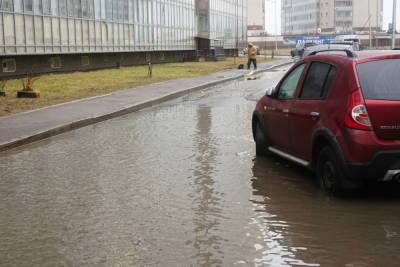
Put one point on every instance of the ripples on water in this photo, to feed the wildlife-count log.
(178, 185)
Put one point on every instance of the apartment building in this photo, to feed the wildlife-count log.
(331, 16)
(66, 35)
(255, 17)
(299, 16)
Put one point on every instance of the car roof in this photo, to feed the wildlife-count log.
(342, 42)
(359, 56)
(328, 46)
(332, 47)
(372, 55)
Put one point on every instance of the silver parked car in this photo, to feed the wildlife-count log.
(300, 48)
(334, 46)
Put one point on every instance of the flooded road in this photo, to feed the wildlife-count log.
(179, 185)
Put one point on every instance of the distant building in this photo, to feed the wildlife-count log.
(299, 16)
(65, 35)
(255, 17)
(331, 16)
(360, 15)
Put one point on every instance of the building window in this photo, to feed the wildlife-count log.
(109, 9)
(6, 5)
(85, 60)
(37, 7)
(46, 7)
(55, 62)
(85, 8)
(28, 6)
(9, 65)
(54, 7)
(70, 8)
(78, 9)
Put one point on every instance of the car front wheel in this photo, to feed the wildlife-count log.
(259, 138)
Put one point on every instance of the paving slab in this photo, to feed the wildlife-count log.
(27, 127)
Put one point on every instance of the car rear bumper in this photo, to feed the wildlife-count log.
(384, 166)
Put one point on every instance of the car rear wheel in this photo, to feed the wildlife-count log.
(330, 174)
(259, 138)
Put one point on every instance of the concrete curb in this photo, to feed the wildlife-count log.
(129, 109)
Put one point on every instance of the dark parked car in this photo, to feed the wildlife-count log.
(338, 115)
(299, 49)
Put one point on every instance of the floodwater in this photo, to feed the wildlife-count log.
(179, 185)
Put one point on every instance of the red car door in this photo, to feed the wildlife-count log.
(278, 109)
(306, 110)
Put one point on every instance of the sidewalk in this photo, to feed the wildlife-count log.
(27, 127)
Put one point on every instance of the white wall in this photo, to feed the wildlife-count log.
(255, 12)
(360, 13)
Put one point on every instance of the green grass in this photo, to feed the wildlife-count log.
(60, 88)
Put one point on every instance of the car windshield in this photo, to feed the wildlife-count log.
(380, 79)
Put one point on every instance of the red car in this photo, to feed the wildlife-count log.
(337, 113)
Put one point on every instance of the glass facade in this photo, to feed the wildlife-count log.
(228, 21)
(87, 26)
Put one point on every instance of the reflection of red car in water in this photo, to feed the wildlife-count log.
(337, 114)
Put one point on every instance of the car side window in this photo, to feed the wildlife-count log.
(318, 80)
(289, 84)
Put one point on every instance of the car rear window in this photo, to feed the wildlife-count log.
(380, 79)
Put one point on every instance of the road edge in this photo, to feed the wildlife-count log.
(14, 143)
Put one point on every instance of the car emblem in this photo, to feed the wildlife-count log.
(390, 127)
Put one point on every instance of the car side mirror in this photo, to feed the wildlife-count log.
(270, 91)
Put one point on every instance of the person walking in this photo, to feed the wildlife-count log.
(252, 56)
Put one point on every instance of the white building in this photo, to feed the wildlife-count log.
(299, 16)
(65, 35)
(331, 16)
(255, 17)
(360, 17)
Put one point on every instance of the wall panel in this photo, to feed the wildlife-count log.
(70, 26)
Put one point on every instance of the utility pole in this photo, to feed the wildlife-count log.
(276, 27)
(394, 24)
(236, 52)
(377, 14)
(369, 19)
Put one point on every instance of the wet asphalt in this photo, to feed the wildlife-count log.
(178, 184)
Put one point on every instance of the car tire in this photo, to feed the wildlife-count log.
(328, 171)
(331, 176)
(261, 144)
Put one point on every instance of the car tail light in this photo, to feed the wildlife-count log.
(357, 115)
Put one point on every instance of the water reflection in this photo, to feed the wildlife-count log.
(302, 226)
(206, 198)
(177, 185)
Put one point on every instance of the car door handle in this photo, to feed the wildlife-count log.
(285, 110)
(314, 114)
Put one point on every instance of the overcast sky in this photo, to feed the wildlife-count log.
(273, 14)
